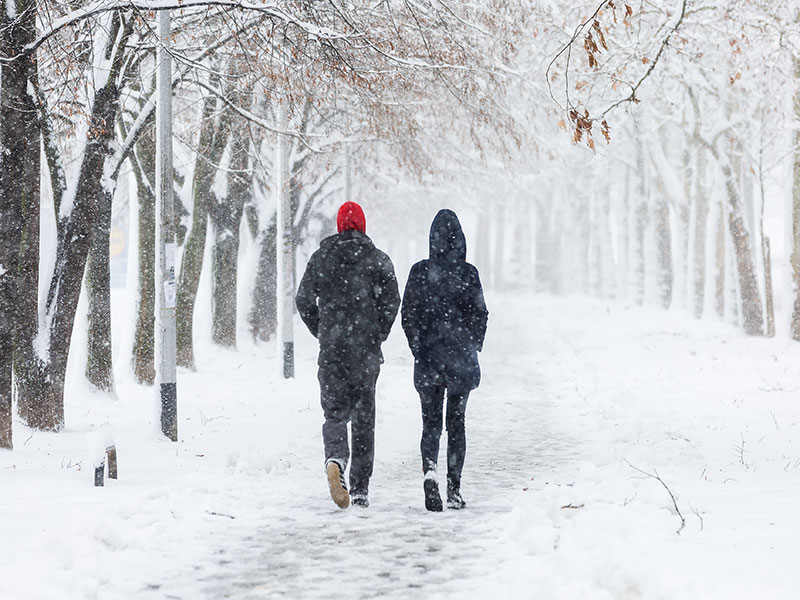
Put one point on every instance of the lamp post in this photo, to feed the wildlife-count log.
(285, 250)
(165, 236)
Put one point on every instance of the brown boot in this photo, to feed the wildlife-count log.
(336, 484)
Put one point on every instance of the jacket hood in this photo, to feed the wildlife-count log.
(447, 239)
(348, 247)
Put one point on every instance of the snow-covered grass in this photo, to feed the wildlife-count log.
(578, 398)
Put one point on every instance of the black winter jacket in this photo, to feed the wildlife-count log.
(348, 298)
(444, 314)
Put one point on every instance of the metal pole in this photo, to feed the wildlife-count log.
(285, 262)
(165, 237)
(348, 174)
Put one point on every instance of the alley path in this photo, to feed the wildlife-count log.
(307, 548)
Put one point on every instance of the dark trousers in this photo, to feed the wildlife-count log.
(348, 395)
(432, 398)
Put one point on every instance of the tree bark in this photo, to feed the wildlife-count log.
(19, 207)
(264, 313)
(99, 367)
(664, 249)
(623, 236)
(748, 283)
(795, 258)
(700, 225)
(74, 236)
(213, 139)
(226, 217)
(768, 290)
(642, 216)
(719, 281)
(144, 170)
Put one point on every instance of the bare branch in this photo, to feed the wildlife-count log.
(657, 477)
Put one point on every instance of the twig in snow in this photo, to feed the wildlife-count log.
(740, 451)
(206, 420)
(66, 463)
(216, 514)
(582, 395)
(30, 437)
(657, 477)
(573, 506)
(698, 515)
(770, 387)
(631, 499)
(774, 420)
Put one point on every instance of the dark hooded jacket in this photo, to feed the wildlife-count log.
(444, 314)
(348, 298)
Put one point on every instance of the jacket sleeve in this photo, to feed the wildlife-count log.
(410, 316)
(478, 314)
(387, 297)
(307, 295)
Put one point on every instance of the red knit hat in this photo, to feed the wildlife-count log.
(351, 218)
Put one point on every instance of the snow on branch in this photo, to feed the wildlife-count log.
(270, 9)
(595, 43)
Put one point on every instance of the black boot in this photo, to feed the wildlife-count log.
(454, 499)
(433, 501)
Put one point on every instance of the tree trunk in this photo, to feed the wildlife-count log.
(19, 208)
(642, 218)
(522, 244)
(768, 291)
(498, 261)
(214, 137)
(144, 169)
(623, 237)
(545, 278)
(226, 217)
(748, 283)
(719, 287)
(664, 249)
(482, 247)
(700, 225)
(99, 367)
(607, 275)
(795, 259)
(264, 314)
(74, 236)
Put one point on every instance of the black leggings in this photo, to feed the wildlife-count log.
(432, 399)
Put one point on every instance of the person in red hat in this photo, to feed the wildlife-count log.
(348, 298)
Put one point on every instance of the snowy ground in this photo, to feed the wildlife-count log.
(576, 396)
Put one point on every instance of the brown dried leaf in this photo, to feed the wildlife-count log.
(606, 131)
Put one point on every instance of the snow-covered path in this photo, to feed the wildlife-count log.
(305, 547)
(575, 394)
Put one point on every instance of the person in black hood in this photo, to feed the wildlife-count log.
(444, 318)
(348, 298)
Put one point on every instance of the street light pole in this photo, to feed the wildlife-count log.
(285, 253)
(165, 236)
